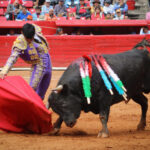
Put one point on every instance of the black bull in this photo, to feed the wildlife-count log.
(132, 67)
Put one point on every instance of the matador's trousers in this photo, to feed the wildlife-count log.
(41, 76)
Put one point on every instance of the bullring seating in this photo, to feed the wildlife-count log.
(32, 10)
(3, 4)
(28, 4)
(1, 12)
(2, 18)
(131, 4)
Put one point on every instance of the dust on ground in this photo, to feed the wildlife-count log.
(122, 125)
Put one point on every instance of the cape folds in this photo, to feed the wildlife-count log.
(21, 109)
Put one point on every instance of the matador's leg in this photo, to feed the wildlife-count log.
(38, 81)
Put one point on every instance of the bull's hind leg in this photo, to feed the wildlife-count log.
(142, 100)
(104, 119)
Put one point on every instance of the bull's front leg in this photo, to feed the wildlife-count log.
(104, 133)
(57, 125)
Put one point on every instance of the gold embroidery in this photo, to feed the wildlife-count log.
(34, 51)
(37, 28)
(42, 47)
(30, 52)
(36, 56)
(20, 42)
(38, 31)
(32, 61)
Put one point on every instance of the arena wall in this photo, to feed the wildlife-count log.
(64, 49)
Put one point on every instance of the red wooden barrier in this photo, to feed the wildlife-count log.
(64, 49)
(105, 27)
(48, 27)
(98, 23)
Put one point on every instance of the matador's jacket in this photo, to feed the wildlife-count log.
(36, 54)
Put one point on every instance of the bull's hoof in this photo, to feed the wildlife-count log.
(103, 134)
(56, 131)
(141, 127)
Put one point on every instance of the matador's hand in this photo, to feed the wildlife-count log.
(2, 75)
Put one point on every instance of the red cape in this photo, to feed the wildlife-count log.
(21, 109)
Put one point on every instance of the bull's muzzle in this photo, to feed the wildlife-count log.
(71, 124)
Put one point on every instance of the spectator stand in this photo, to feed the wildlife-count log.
(3, 7)
(137, 8)
(2, 17)
(4, 4)
(66, 48)
(28, 4)
(48, 27)
(95, 27)
(102, 27)
(1, 12)
(6, 25)
(32, 10)
(131, 4)
(108, 36)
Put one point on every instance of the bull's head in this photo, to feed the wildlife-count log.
(65, 103)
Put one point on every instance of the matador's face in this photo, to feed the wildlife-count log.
(29, 40)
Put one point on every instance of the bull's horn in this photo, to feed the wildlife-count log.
(58, 88)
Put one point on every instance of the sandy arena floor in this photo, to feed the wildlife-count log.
(122, 126)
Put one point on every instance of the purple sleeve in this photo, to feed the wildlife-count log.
(11, 60)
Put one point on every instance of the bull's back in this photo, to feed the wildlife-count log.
(129, 66)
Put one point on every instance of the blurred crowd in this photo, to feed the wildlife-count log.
(50, 10)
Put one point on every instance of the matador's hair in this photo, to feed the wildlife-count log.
(28, 31)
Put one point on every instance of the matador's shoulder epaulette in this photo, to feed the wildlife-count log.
(20, 43)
